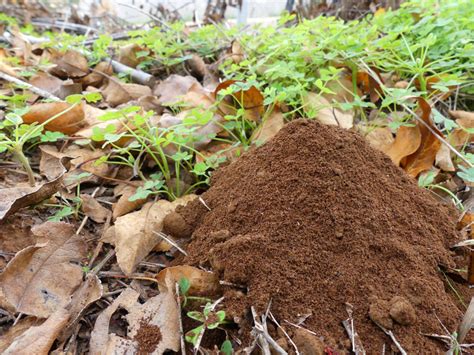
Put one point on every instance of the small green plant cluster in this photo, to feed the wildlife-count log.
(208, 318)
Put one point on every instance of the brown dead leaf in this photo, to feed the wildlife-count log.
(369, 85)
(425, 155)
(170, 91)
(133, 233)
(128, 55)
(55, 86)
(93, 209)
(95, 78)
(251, 100)
(117, 93)
(236, 52)
(406, 142)
(90, 291)
(159, 313)
(68, 123)
(443, 159)
(197, 66)
(15, 198)
(269, 127)
(70, 64)
(39, 339)
(100, 337)
(380, 138)
(40, 279)
(16, 330)
(325, 113)
(202, 283)
(124, 205)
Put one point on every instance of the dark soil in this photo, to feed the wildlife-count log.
(315, 219)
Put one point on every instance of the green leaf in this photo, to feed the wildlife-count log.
(93, 97)
(467, 174)
(140, 194)
(74, 99)
(50, 136)
(63, 212)
(193, 334)
(184, 285)
(196, 316)
(226, 347)
(426, 179)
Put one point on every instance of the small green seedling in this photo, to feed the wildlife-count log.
(208, 318)
(226, 347)
(426, 180)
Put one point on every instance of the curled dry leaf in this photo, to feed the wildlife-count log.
(325, 113)
(39, 339)
(70, 64)
(16, 330)
(269, 127)
(236, 52)
(68, 122)
(90, 291)
(369, 85)
(55, 86)
(251, 100)
(170, 91)
(423, 158)
(158, 316)
(100, 337)
(124, 205)
(128, 55)
(93, 209)
(134, 234)
(40, 279)
(443, 159)
(96, 78)
(406, 142)
(201, 282)
(380, 138)
(15, 198)
(197, 66)
(117, 93)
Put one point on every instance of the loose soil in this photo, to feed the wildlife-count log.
(315, 219)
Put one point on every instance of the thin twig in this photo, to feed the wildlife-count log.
(168, 239)
(284, 332)
(30, 87)
(181, 331)
(392, 336)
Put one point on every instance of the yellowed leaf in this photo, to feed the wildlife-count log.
(380, 138)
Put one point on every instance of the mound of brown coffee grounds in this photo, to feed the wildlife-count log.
(316, 219)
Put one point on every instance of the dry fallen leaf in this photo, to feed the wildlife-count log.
(325, 113)
(70, 64)
(93, 209)
(117, 93)
(443, 159)
(128, 55)
(134, 234)
(269, 127)
(158, 316)
(40, 279)
(201, 282)
(68, 123)
(16, 330)
(96, 78)
(197, 66)
(251, 100)
(39, 339)
(406, 142)
(100, 337)
(170, 91)
(380, 138)
(15, 198)
(424, 157)
(124, 205)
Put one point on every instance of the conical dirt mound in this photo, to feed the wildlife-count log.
(316, 219)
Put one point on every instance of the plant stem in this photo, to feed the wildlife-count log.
(20, 156)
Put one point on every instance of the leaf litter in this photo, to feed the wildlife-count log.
(296, 235)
